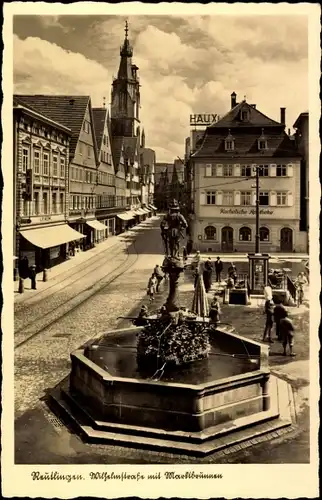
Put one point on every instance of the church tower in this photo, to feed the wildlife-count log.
(125, 100)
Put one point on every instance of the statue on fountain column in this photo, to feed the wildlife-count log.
(172, 226)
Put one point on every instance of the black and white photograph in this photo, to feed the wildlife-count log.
(161, 278)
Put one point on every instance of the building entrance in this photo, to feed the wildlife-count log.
(227, 239)
(286, 239)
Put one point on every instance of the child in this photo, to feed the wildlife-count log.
(152, 287)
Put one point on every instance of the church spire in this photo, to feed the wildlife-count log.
(126, 50)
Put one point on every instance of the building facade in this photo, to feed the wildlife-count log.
(106, 209)
(302, 140)
(224, 198)
(40, 172)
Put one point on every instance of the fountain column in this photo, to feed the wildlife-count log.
(173, 266)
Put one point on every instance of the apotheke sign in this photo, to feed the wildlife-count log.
(203, 119)
(243, 211)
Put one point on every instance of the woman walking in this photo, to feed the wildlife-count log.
(152, 284)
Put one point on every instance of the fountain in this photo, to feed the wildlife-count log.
(173, 382)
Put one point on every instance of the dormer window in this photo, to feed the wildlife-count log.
(244, 115)
(229, 142)
(262, 141)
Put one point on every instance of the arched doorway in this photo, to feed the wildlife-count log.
(227, 239)
(286, 239)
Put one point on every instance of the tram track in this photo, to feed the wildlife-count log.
(37, 327)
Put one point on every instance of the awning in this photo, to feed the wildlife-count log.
(95, 224)
(153, 207)
(126, 215)
(146, 210)
(139, 211)
(48, 237)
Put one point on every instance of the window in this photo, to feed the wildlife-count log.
(45, 203)
(245, 234)
(211, 197)
(281, 198)
(37, 162)
(229, 144)
(263, 234)
(246, 171)
(281, 171)
(213, 171)
(263, 170)
(244, 115)
(36, 202)
(105, 140)
(245, 198)
(88, 151)
(86, 127)
(264, 198)
(61, 203)
(262, 144)
(228, 170)
(46, 163)
(62, 166)
(54, 203)
(210, 233)
(25, 159)
(228, 198)
(55, 166)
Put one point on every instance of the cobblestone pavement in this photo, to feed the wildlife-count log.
(43, 362)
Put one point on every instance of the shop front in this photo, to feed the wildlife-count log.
(46, 247)
(125, 220)
(99, 230)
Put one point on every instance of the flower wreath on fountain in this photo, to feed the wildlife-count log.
(174, 335)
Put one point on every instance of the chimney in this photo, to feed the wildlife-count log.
(283, 115)
(233, 100)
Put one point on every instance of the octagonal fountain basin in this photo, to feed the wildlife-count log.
(215, 403)
(231, 383)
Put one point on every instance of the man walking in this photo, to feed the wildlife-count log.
(218, 268)
(287, 334)
(269, 311)
(279, 313)
(207, 274)
(159, 276)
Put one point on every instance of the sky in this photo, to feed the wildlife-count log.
(187, 65)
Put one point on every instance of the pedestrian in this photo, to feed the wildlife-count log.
(214, 311)
(184, 254)
(196, 260)
(23, 267)
(279, 313)
(159, 276)
(152, 287)
(32, 276)
(189, 246)
(269, 311)
(141, 319)
(196, 276)
(207, 274)
(232, 272)
(287, 334)
(300, 282)
(218, 267)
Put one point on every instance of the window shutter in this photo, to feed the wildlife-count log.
(219, 169)
(290, 199)
(237, 198)
(290, 170)
(208, 170)
(202, 198)
(253, 198)
(272, 199)
(253, 169)
(272, 170)
(237, 170)
(219, 198)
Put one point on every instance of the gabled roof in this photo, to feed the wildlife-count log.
(19, 104)
(131, 145)
(99, 119)
(65, 109)
(117, 148)
(302, 117)
(246, 145)
(256, 118)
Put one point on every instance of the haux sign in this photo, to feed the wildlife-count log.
(203, 119)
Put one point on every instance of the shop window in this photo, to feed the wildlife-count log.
(264, 198)
(245, 234)
(45, 203)
(61, 203)
(263, 234)
(54, 203)
(36, 203)
(210, 233)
